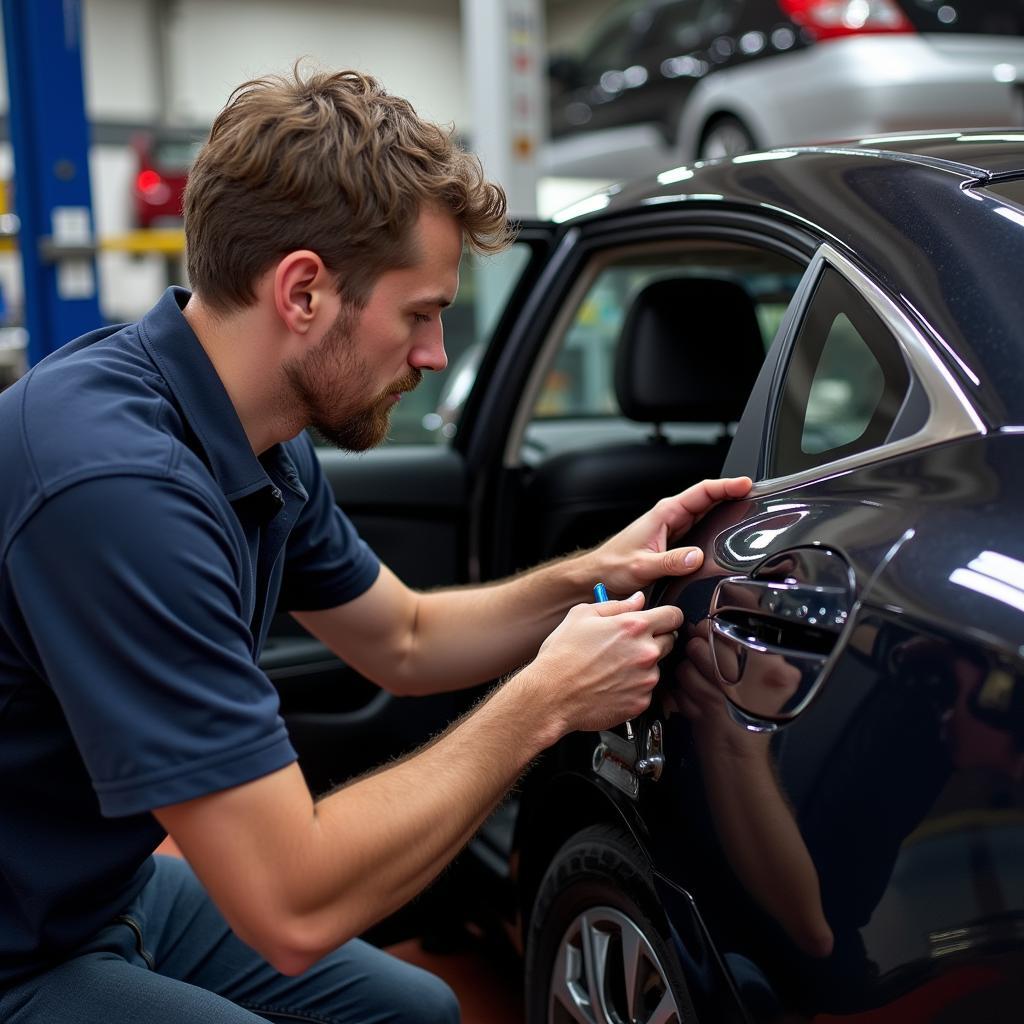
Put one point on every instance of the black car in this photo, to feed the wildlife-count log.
(821, 815)
(664, 80)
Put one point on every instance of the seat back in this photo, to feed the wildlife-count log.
(689, 352)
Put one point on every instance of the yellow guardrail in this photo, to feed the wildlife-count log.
(150, 242)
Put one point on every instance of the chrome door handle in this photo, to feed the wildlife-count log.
(739, 635)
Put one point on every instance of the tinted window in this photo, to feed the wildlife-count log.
(985, 17)
(845, 382)
(677, 26)
(616, 39)
(1011, 190)
(581, 381)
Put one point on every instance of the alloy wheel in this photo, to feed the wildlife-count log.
(606, 972)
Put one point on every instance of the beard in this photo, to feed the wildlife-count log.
(333, 382)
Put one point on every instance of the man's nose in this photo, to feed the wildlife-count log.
(429, 354)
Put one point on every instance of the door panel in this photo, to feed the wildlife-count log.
(863, 858)
(408, 504)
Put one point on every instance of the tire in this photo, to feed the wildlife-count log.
(598, 889)
(725, 136)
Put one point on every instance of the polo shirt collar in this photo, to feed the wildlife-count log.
(204, 402)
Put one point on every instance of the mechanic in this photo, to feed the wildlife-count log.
(161, 499)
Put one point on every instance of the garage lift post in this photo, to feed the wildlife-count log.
(53, 198)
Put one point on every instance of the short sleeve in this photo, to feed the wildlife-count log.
(130, 589)
(326, 561)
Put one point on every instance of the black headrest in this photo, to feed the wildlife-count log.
(689, 351)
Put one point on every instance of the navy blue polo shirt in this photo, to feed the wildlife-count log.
(143, 549)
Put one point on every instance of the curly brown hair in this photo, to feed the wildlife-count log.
(331, 163)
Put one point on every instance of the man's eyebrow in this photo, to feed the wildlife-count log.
(431, 300)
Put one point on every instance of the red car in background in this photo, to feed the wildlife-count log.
(163, 164)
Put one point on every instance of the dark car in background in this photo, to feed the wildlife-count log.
(679, 80)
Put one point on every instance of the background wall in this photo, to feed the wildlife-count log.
(174, 62)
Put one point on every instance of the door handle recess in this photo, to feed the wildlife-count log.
(774, 632)
(751, 640)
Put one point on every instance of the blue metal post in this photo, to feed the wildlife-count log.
(52, 196)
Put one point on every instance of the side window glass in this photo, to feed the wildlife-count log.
(845, 383)
(677, 27)
(611, 50)
(579, 401)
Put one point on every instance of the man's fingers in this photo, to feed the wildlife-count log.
(685, 508)
(665, 641)
(666, 619)
(630, 604)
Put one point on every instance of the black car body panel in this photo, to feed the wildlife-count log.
(843, 837)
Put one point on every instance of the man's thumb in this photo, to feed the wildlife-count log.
(680, 561)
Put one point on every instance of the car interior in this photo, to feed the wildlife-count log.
(630, 404)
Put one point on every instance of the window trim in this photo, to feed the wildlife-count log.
(951, 415)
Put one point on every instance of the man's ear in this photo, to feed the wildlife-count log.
(301, 286)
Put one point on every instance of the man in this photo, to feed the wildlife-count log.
(161, 499)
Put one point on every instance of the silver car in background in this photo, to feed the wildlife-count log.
(663, 81)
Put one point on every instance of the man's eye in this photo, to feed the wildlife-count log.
(421, 318)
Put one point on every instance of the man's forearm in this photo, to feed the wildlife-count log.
(294, 878)
(469, 635)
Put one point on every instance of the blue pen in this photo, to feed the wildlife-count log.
(600, 596)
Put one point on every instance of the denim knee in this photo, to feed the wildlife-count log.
(429, 1001)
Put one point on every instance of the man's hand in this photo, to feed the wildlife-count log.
(638, 555)
(600, 666)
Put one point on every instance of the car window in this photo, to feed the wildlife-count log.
(845, 382)
(575, 405)
(1011, 189)
(677, 26)
(612, 46)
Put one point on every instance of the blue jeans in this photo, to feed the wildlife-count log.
(172, 959)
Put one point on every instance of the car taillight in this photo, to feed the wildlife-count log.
(148, 181)
(826, 19)
(152, 188)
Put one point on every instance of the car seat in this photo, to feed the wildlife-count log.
(689, 352)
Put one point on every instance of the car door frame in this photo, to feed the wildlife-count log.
(499, 400)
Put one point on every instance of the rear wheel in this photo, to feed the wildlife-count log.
(725, 136)
(597, 952)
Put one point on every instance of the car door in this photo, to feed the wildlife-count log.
(409, 501)
(846, 847)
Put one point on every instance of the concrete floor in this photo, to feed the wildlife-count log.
(489, 992)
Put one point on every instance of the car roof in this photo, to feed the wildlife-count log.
(911, 210)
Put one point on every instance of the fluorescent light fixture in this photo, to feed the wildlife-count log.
(908, 138)
(1000, 567)
(589, 205)
(676, 174)
(754, 158)
(989, 587)
(1018, 138)
(994, 575)
(1015, 215)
